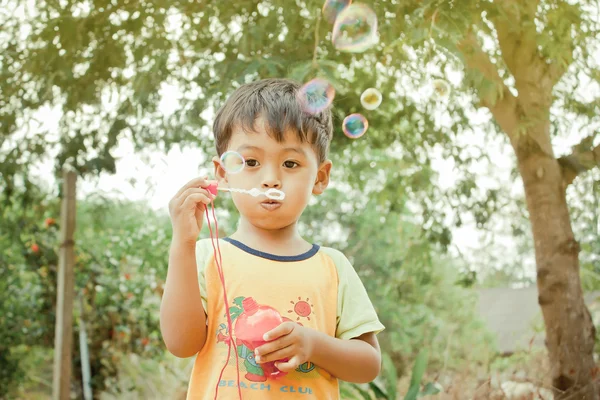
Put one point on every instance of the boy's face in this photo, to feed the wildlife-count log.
(291, 166)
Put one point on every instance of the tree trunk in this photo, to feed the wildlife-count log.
(570, 333)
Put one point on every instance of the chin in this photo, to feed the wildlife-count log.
(271, 223)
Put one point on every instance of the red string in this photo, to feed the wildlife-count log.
(219, 261)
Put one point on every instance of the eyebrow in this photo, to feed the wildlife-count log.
(296, 150)
(292, 149)
(248, 147)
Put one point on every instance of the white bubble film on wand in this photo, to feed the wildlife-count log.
(272, 194)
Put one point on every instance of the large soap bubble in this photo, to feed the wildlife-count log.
(332, 8)
(316, 95)
(355, 29)
(232, 162)
(371, 98)
(355, 125)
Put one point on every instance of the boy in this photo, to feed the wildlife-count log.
(330, 325)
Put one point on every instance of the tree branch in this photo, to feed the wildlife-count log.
(515, 24)
(583, 158)
(514, 21)
(505, 106)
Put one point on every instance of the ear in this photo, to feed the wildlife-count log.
(322, 180)
(220, 173)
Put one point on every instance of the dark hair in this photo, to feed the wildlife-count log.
(277, 102)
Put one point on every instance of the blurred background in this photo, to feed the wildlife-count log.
(428, 204)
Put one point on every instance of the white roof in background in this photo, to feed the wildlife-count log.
(515, 317)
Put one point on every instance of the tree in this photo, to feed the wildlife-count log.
(521, 65)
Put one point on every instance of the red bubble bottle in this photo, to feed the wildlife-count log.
(252, 324)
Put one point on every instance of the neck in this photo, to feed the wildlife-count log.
(259, 238)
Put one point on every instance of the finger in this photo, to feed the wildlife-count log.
(192, 201)
(274, 345)
(283, 329)
(199, 213)
(290, 365)
(194, 183)
(190, 191)
(279, 354)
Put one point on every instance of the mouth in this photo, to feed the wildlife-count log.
(270, 204)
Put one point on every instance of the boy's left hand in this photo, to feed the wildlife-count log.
(288, 341)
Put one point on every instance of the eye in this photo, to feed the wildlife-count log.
(251, 163)
(290, 164)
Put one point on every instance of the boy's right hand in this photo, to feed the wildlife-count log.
(186, 209)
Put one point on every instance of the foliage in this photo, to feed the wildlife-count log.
(137, 378)
(120, 256)
(414, 288)
(120, 273)
(107, 84)
(385, 388)
(27, 273)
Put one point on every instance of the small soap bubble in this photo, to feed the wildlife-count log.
(371, 98)
(441, 89)
(316, 95)
(355, 125)
(232, 162)
(332, 8)
(355, 29)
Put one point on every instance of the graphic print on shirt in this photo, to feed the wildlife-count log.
(302, 308)
(247, 338)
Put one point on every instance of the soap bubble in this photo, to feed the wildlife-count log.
(355, 125)
(316, 95)
(371, 98)
(355, 29)
(332, 8)
(232, 162)
(441, 89)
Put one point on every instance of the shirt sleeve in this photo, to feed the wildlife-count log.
(203, 253)
(356, 314)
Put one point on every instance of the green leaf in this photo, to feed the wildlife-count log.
(390, 375)
(234, 312)
(239, 301)
(417, 375)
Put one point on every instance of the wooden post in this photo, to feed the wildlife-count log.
(63, 341)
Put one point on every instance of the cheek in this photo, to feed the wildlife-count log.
(301, 192)
(239, 200)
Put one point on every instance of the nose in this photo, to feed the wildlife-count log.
(270, 179)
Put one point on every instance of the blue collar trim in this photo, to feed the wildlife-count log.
(300, 257)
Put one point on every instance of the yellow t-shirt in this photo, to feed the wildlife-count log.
(318, 289)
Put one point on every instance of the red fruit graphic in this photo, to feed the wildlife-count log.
(35, 248)
(49, 222)
(145, 341)
(252, 324)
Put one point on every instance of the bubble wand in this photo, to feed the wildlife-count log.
(272, 194)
